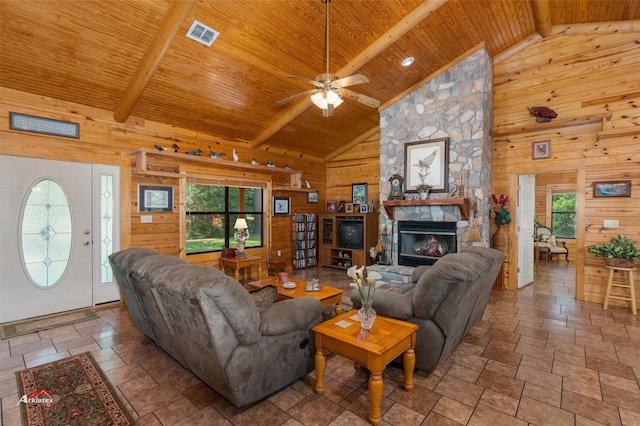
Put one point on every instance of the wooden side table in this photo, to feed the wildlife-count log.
(373, 348)
(630, 285)
(238, 263)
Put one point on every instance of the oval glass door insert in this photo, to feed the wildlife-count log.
(46, 233)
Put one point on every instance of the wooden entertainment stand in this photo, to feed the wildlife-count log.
(335, 256)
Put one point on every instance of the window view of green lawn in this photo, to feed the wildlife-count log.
(212, 211)
(563, 215)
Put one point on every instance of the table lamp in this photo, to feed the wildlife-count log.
(241, 235)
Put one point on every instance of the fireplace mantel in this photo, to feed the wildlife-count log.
(462, 203)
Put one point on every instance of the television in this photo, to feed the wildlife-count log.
(351, 235)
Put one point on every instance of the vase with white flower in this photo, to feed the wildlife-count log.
(366, 289)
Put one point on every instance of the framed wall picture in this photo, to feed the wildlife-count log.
(428, 161)
(541, 149)
(281, 206)
(332, 206)
(155, 198)
(312, 197)
(359, 193)
(612, 189)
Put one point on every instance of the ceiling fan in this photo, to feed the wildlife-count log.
(329, 87)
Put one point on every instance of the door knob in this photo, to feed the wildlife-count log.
(86, 243)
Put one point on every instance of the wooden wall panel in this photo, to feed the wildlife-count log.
(360, 164)
(578, 77)
(104, 141)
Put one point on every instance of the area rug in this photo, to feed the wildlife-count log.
(70, 391)
(33, 325)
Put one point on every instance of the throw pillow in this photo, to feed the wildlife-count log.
(552, 241)
(265, 296)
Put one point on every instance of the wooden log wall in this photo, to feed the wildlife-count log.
(104, 141)
(360, 164)
(592, 83)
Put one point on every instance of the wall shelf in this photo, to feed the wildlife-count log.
(556, 124)
(461, 203)
(143, 153)
(617, 133)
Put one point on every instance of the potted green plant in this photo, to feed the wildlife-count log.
(620, 252)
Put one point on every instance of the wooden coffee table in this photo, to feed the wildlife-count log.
(327, 295)
(373, 348)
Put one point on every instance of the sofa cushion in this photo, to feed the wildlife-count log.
(264, 296)
(435, 284)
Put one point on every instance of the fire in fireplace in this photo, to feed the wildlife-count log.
(423, 242)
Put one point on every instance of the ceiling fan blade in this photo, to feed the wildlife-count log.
(349, 81)
(290, 98)
(318, 84)
(363, 99)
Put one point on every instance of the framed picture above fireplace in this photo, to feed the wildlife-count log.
(427, 162)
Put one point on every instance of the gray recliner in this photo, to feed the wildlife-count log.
(446, 301)
(209, 323)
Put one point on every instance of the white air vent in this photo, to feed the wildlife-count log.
(202, 34)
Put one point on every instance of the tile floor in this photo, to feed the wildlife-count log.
(538, 357)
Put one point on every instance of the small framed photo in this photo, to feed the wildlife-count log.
(541, 149)
(332, 206)
(348, 208)
(281, 206)
(341, 204)
(359, 193)
(372, 206)
(364, 208)
(612, 189)
(312, 197)
(155, 198)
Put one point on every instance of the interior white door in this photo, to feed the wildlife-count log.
(526, 213)
(45, 237)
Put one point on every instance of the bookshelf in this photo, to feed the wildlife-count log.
(305, 251)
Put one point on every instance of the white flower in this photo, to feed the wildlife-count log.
(367, 288)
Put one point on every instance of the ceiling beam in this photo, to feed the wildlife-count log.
(405, 25)
(344, 148)
(171, 22)
(542, 12)
(613, 27)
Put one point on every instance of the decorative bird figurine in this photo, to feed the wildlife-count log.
(254, 161)
(288, 167)
(543, 114)
(196, 152)
(159, 148)
(175, 147)
(215, 155)
(270, 164)
(235, 156)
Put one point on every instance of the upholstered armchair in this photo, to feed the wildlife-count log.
(547, 244)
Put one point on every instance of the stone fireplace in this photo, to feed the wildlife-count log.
(454, 104)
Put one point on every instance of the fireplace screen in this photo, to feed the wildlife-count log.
(422, 243)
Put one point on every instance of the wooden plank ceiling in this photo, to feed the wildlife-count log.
(132, 56)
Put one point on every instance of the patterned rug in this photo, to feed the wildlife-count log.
(70, 391)
(32, 325)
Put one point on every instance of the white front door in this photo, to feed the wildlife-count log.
(525, 215)
(46, 237)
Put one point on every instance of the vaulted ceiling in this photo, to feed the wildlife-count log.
(132, 56)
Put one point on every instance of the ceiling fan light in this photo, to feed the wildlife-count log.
(318, 100)
(337, 102)
(333, 98)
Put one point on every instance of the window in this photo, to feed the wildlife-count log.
(212, 211)
(563, 215)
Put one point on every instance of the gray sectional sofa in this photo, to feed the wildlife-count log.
(211, 325)
(446, 300)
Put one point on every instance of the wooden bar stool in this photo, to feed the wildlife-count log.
(632, 293)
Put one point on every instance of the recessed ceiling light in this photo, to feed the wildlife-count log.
(407, 61)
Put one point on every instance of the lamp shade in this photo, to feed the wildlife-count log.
(241, 223)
